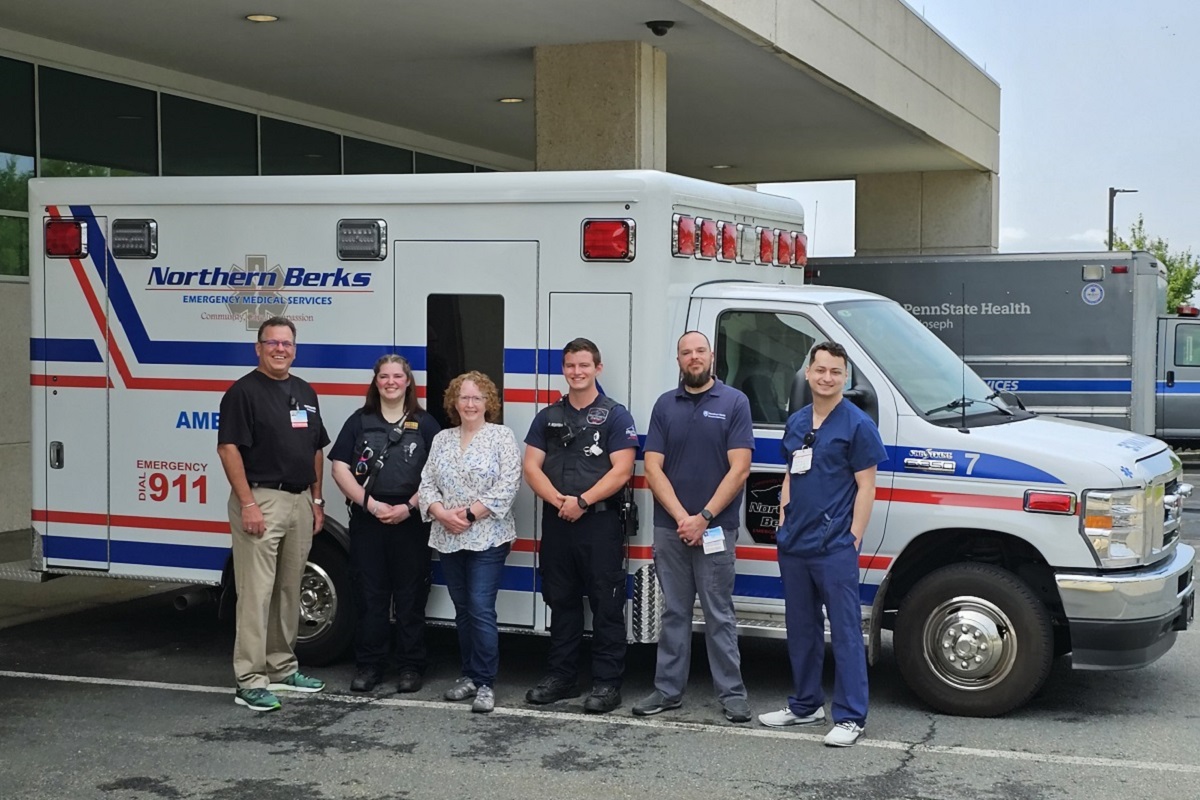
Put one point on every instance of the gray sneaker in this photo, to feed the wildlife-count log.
(654, 703)
(785, 718)
(737, 709)
(463, 688)
(485, 700)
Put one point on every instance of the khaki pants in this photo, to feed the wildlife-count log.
(267, 573)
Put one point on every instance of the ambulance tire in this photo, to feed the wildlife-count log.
(326, 604)
(997, 630)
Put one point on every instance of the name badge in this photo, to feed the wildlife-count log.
(802, 461)
(299, 418)
(714, 541)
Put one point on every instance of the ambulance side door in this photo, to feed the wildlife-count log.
(472, 305)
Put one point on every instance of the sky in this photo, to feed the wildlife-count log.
(1093, 94)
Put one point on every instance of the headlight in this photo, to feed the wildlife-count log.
(1114, 523)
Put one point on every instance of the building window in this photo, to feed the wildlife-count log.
(205, 139)
(14, 245)
(371, 158)
(291, 149)
(427, 163)
(759, 352)
(462, 336)
(16, 133)
(96, 128)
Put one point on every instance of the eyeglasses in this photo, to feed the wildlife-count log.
(810, 438)
(277, 343)
(364, 462)
(470, 399)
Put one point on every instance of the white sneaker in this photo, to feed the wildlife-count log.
(843, 734)
(784, 718)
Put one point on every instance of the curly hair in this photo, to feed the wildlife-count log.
(491, 397)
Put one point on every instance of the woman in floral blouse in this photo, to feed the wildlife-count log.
(467, 490)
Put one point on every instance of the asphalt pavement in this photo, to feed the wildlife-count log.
(127, 698)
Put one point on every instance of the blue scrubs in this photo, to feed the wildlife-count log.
(818, 561)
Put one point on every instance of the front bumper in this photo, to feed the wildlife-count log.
(1128, 619)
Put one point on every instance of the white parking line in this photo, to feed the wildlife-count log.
(641, 722)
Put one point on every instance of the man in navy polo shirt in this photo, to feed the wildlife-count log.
(698, 451)
(832, 450)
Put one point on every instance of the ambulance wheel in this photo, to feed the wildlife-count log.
(973, 640)
(326, 605)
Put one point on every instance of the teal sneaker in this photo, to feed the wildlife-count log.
(298, 682)
(256, 699)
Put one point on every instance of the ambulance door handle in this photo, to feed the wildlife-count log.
(56, 455)
(1170, 378)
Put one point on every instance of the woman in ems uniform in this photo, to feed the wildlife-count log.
(376, 462)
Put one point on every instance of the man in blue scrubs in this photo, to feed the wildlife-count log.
(832, 450)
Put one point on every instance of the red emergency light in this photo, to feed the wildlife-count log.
(708, 238)
(1187, 311)
(729, 241)
(1049, 502)
(766, 246)
(785, 250)
(801, 249)
(66, 238)
(683, 236)
(608, 240)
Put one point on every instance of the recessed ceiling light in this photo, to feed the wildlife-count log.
(512, 99)
(313, 155)
(722, 166)
(262, 18)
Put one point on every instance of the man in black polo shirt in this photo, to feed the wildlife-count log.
(578, 456)
(269, 442)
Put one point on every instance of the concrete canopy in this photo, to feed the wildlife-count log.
(779, 90)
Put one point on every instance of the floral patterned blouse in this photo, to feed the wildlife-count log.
(489, 470)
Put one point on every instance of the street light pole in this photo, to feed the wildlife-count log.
(1112, 194)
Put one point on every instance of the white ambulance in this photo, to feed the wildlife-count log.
(999, 540)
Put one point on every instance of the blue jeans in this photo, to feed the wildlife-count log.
(473, 578)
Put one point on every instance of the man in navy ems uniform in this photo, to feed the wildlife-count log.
(698, 451)
(579, 456)
(269, 442)
(832, 449)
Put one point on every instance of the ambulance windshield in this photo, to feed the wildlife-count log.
(931, 377)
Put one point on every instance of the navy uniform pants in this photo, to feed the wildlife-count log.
(389, 564)
(585, 557)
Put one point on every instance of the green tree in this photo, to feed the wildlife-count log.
(1182, 267)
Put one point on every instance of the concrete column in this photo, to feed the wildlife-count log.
(927, 213)
(601, 106)
(16, 471)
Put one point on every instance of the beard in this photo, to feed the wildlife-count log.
(696, 380)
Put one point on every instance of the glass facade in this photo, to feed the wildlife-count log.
(93, 127)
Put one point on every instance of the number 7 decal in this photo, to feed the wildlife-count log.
(971, 459)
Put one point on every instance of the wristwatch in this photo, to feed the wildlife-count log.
(708, 515)
(412, 510)
(470, 515)
(319, 502)
(584, 504)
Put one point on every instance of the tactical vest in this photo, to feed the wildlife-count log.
(398, 455)
(571, 463)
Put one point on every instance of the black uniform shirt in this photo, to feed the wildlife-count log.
(256, 415)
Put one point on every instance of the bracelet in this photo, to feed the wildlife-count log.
(250, 504)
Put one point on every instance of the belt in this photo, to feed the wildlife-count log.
(290, 488)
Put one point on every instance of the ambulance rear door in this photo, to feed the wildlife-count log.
(71, 362)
